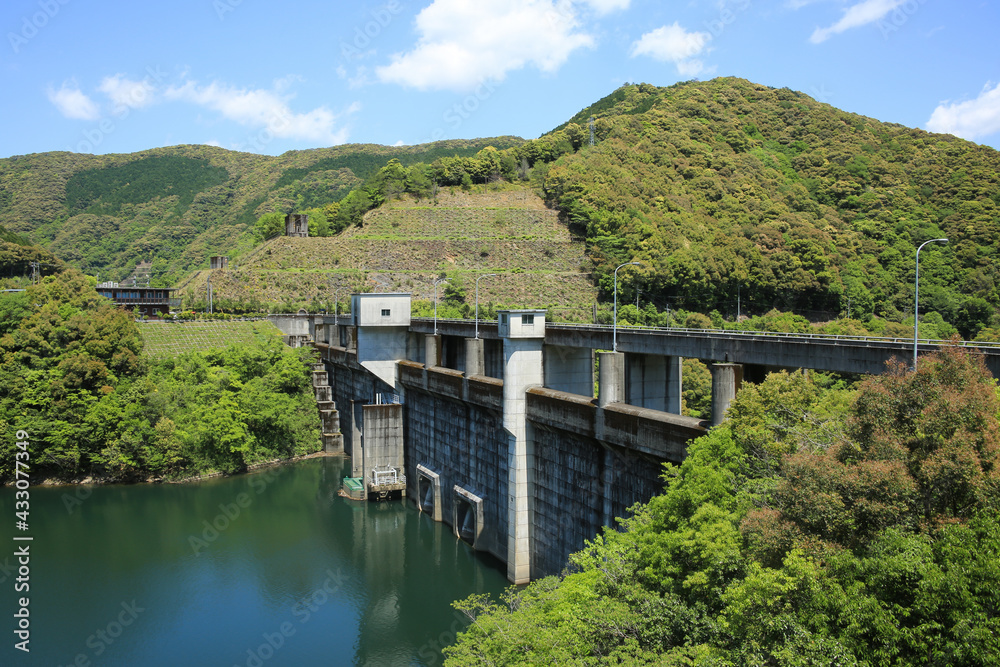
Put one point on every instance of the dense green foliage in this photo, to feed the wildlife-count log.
(106, 190)
(72, 376)
(727, 186)
(8, 236)
(178, 206)
(800, 532)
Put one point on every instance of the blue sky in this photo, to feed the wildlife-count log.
(264, 77)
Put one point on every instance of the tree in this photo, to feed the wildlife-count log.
(943, 423)
(269, 225)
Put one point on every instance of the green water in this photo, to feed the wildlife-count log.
(272, 568)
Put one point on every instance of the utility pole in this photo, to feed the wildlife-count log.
(591, 130)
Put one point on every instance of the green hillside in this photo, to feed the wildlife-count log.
(169, 339)
(732, 195)
(180, 205)
(727, 187)
(407, 244)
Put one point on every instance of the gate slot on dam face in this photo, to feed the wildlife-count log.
(467, 516)
(429, 492)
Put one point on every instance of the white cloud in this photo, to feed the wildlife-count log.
(265, 109)
(672, 43)
(127, 93)
(359, 80)
(861, 14)
(970, 119)
(73, 102)
(463, 44)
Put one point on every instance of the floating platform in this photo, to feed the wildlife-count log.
(354, 488)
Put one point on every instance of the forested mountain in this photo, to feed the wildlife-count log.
(728, 186)
(178, 206)
(727, 192)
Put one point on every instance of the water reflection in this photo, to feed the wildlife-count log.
(273, 568)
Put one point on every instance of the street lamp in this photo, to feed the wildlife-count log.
(485, 275)
(436, 283)
(614, 334)
(916, 298)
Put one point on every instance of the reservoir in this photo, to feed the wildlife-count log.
(270, 568)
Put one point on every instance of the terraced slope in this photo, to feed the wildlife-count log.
(405, 245)
(163, 339)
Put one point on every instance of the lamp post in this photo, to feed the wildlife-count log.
(614, 330)
(916, 298)
(485, 275)
(436, 283)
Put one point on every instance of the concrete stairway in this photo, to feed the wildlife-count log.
(333, 439)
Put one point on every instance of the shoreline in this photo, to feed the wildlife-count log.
(103, 481)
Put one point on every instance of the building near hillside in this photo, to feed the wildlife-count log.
(150, 301)
(218, 262)
(297, 224)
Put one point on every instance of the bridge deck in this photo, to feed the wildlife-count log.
(844, 354)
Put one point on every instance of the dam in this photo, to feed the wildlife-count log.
(527, 437)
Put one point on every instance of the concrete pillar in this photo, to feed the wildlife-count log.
(611, 378)
(357, 446)
(523, 334)
(475, 360)
(569, 369)
(675, 384)
(432, 350)
(726, 379)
